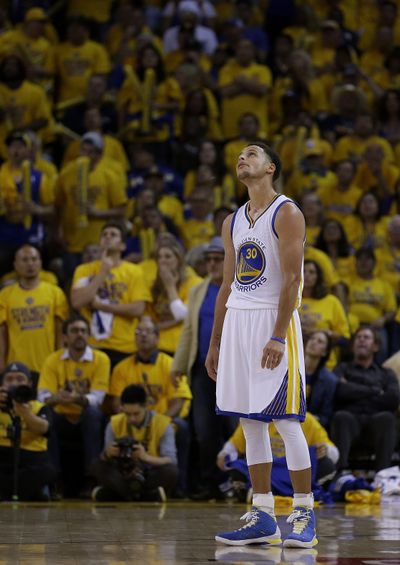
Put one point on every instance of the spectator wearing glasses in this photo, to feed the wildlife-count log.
(211, 431)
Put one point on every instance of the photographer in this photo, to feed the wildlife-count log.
(20, 412)
(142, 469)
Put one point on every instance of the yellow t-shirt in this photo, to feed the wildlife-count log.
(233, 107)
(339, 204)
(124, 285)
(161, 312)
(359, 235)
(196, 232)
(352, 147)
(105, 191)
(370, 299)
(301, 182)
(331, 277)
(90, 373)
(23, 105)
(76, 64)
(154, 376)
(388, 266)
(29, 316)
(29, 440)
(367, 180)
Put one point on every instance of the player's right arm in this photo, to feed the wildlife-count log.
(222, 298)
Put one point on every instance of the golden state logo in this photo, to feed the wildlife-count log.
(250, 265)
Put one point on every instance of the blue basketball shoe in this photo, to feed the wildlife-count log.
(303, 533)
(260, 528)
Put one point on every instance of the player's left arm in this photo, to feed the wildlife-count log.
(290, 229)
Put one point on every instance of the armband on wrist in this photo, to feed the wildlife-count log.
(278, 339)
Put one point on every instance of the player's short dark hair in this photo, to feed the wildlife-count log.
(273, 155)
(134, 394)
(71, 320)
(118, 225)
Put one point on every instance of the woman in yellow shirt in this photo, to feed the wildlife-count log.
(365, 228)
(321, 310)
(170, 292)
(333, 241)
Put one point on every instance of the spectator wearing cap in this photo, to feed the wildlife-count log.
(89, 193)
(210, 431)
(77, 59)
(24, 104)
(27, 198)
(38, 53)
(73, 383)
(31, 314)
(35, 470)
(189, 15)
(244, 84)
(111, 294)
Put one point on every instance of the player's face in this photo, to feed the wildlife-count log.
(252, 163)
(111, 239)
(317, 344)
(135, 413)
(27, 263)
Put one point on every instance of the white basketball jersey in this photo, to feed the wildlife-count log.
(258, 276)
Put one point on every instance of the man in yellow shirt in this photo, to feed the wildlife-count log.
(77, 59)
(198, 228)
(111, 295)
(377, 174)
(35, 470)
(244, 84)
(151, 369)
(73, 383)
(24, 104)
(31, 315)
(388, 257)
(341, 200)
(30, 42)
(88, 193)
(139, 457)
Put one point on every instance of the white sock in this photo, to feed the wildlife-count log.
(265, 502)
(303, 499)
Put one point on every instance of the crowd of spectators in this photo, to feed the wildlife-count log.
(120, 125)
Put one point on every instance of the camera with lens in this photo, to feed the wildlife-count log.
(21, 394)
(126, 447)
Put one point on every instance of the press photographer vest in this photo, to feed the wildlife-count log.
(29, 440)
(150, 435)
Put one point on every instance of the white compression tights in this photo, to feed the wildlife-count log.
(258, 444)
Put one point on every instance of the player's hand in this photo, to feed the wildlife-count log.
(212, 362)
(272, 354)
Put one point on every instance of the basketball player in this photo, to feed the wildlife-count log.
(256, 353)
